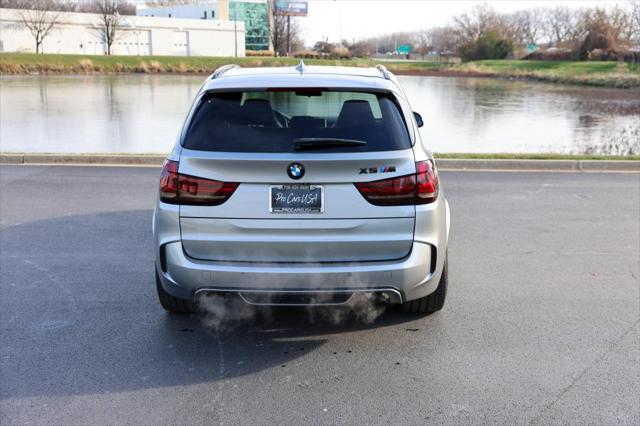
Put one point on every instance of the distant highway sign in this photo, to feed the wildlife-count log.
(290, 8)
(404, 49)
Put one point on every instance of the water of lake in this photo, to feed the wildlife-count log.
(143, 114)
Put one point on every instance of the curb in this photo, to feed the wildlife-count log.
(490, 164)
(540, 165)
(83, 159)
(442, 163)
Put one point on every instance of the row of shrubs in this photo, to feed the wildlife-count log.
(316, 55)
(258, 53)
(488, 46)
(306, 54)
(594, 55)
(87, 66)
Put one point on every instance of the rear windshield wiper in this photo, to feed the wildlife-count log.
(303, 144)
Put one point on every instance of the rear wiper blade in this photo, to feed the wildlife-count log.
(302, 144)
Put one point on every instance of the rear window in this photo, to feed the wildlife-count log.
(280, 121)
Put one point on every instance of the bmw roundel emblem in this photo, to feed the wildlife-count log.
(295, 171)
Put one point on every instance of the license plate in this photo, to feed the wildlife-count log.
(296, 199)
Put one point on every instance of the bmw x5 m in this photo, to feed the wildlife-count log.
(301, 186)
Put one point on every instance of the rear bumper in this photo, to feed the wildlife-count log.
(402, 280)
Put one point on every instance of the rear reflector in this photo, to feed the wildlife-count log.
(177, 188)
(418, 188)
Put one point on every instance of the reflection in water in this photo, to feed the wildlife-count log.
(132, 114)
(494, 115)
(143, 114)
(624, 141)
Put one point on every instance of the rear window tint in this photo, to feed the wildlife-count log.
(273, 121)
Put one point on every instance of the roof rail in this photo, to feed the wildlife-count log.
(383, 70)
(221, 70)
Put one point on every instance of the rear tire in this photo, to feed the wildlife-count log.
(432, 302)
(173, 304)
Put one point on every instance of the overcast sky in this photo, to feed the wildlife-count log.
(357, 19)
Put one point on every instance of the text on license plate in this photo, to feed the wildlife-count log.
(296, 198)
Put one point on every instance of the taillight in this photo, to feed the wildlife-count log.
(426, 182)
(169, 182)
(418, 188)
(177, 188)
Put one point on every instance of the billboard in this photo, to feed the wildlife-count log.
(290, 8)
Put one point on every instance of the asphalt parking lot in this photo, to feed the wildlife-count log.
(541, 323)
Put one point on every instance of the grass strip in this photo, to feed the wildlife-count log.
(606, 74)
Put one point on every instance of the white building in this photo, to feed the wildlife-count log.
(254, 13)
(79, 33)
(207, 10)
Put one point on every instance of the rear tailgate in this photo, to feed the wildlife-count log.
(348, 229)
(331, 139)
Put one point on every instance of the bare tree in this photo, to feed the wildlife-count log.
(445, 39)
(39, 20)
(477, 22)
(422, 40)
(527, 26)
(558, 23)
(635, 19)
(279, 34)
(621, 22)
(110, 21)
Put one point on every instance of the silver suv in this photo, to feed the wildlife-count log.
(301, 186)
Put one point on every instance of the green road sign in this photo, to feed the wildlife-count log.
(404, 49)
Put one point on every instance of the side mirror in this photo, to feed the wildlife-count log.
(418, 118)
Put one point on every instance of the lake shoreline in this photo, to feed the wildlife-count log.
(596, 74)
(611, 83)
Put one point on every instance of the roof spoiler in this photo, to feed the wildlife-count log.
(383, 70)
(221, 70)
